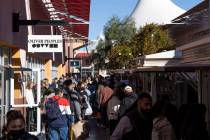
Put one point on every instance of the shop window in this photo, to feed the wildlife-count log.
(40, 64)
(54, 71)
(42, 74)
(35, 62)
(31, 62)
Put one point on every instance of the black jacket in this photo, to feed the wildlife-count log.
(74, 99)
(142, 126)
(24, 136)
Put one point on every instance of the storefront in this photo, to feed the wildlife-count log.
(54, 71)
(5, 62)
(193, 40)
(32, 62)
(26, 83)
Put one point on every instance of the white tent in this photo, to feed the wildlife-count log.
(155, 11)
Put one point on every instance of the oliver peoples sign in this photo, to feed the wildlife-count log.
(45, 43)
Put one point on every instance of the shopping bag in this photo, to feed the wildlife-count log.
(89, 110)
(79, 131)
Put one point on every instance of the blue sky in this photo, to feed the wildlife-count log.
(103, 10)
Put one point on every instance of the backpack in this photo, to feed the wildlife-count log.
(52, 109)
(73, 97)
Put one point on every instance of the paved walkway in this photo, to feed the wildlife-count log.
(97, 133)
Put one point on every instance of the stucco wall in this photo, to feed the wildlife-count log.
(7, 7)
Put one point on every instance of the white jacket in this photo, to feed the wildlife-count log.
(162, 129)
(113, 108)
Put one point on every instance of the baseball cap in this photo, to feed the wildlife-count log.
(128, 89)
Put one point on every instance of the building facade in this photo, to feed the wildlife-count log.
(18, 66)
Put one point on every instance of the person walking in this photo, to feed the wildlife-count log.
(113, 108)
(105, 94)
(74, 98)
(83, 99)
(137, 124)
(128, 102)
(162, 127)
(58, 116)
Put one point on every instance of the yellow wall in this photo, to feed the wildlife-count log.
(60, 71)
(48, 69)
(17, 74)
(16, 58)
(64, 69)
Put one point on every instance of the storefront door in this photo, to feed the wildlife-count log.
(23, 101)
(4, 95)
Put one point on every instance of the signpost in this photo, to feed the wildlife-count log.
(45, 43)
(75, 63)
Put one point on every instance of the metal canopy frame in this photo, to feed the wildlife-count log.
(75, 12)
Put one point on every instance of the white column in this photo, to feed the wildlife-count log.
(51, 27)
(28, 15)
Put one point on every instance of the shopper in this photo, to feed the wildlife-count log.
(74, 98)
(105, 94)
(137, 124)
(83, 99)
(128, 102)
(162, 128)
(15, 127)
(58, 116)
(194, 127)
(113, 108)
(44, 87)
(54, 83)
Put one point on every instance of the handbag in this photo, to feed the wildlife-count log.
(79, 131)
(89, 110)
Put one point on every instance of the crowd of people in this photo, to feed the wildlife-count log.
(115, 105)
(133, 115)
(74, 101)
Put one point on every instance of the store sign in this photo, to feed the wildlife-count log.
(75, 63)
(45, 43)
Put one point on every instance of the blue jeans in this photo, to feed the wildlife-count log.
(58, 133)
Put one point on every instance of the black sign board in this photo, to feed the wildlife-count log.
(74, 63)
